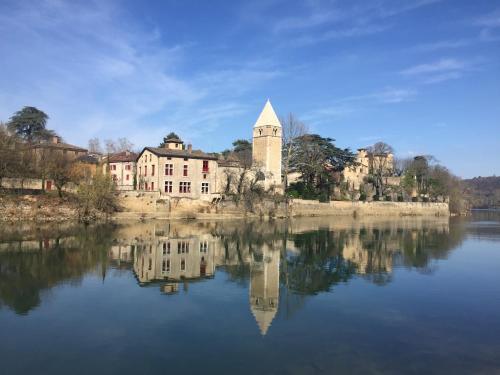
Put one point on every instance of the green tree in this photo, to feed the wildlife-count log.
(318, 161)
(30, 124)
(169, 137)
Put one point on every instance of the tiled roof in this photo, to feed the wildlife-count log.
(59, 145)
(193, 154)
(89, 159)
(121, 157)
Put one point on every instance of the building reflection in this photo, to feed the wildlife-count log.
(281, 263)
(302, 258)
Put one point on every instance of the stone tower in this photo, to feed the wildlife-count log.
(267, 145)
(264, 286)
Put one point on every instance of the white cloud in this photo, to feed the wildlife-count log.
(442, 65)
(95, 72)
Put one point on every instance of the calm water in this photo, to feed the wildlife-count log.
(311, 296)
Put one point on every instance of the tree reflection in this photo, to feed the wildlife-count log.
(282, 263)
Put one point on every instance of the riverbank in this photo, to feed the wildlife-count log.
(50, 208)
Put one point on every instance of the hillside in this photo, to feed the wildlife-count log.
(483, 192)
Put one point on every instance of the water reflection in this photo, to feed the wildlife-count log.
(281, 263)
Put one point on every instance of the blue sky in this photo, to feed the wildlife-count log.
(421, 75)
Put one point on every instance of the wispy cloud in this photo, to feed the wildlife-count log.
(489, 20)
(89, 66)
(437, 66)
(443, 44)
(330, 21)
(441, 70)
(351, 105)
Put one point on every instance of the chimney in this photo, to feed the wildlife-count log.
(190, 148)
(55, 139)
(127, 153)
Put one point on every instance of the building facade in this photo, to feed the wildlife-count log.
(177, 171)
(122, 169)
(368, 163)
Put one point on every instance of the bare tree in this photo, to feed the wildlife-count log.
(110, 146)
(60, 171)
(123, 144)
(95, 146)
(292, 128)
(381, 164)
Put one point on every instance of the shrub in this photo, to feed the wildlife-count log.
(400, 198)
(97, 197)
(362, 196)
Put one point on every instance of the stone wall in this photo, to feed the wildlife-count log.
(152, 205)
(301, 207)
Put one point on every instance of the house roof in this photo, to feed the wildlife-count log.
(267, 117)
(123, 157)
(190, 154)
(88, 159)
(60, 146)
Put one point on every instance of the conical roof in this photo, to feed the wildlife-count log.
(264, 318)
(267, 116)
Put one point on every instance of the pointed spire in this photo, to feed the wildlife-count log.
(267, 116)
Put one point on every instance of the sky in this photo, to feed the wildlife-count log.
(420, 75)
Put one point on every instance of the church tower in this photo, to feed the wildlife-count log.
(264, 286)
(267, 145)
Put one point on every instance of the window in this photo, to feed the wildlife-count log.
(113, 167)
(185, 172)
(205, 166)
(182, 247)
(204, 188)
(152, 185)
(169, 169)
(183, 265)
(260, 131)
(168, 186)
(166, 265)
(145, 170)
(127, 177)
(140, 171)
(203, 247)
(184, 187)
(169, 158)
(152, 170)
(275, 131)
(150, 265)
(147, 186)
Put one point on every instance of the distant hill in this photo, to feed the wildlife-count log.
(483, 192)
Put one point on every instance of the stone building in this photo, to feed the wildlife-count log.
(122, 168)
(57, 146)
(177, 171)
(368, 163)
(267, 143)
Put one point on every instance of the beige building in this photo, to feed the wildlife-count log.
(177, 171)
(267, 143)
(122, 168)
(366, 164)
(56, 145)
